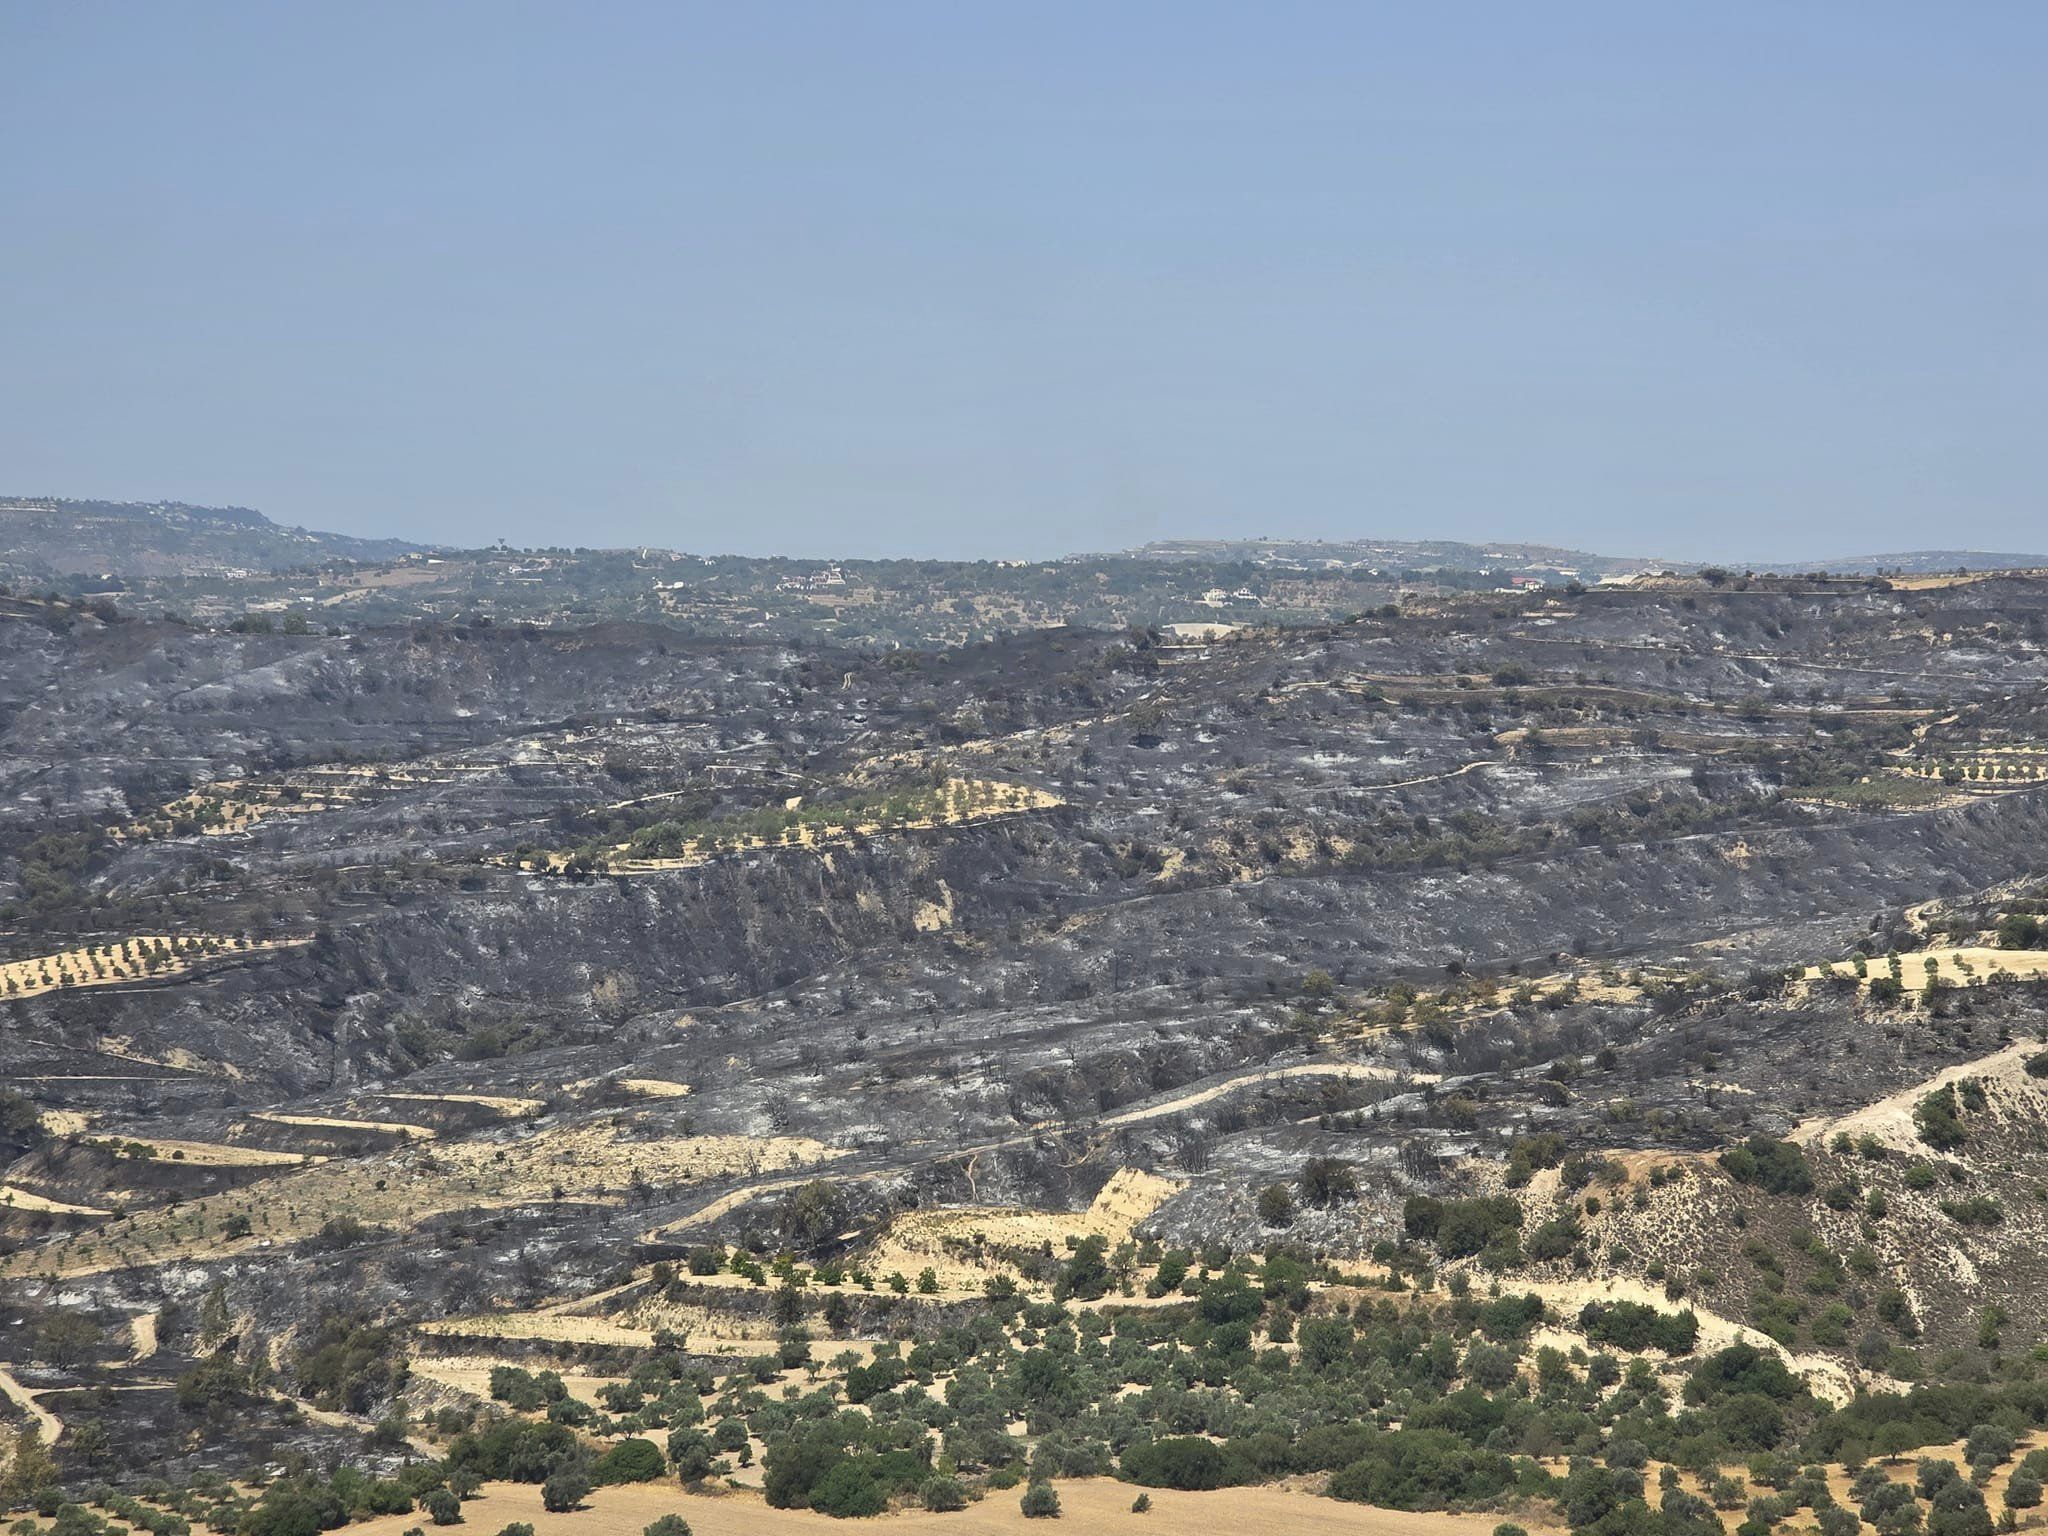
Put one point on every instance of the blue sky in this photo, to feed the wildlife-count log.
(1762, 281)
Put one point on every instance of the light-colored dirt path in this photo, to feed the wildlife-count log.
(1890, 1119)
(1437, 778)
(46, 1421)
(1351, 1069)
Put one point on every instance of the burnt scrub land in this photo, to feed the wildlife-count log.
(1573, 1059)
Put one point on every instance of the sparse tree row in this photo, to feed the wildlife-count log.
(947, 802)
(130, 960)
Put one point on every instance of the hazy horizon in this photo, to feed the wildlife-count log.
(1753, 283)
(1733, 557)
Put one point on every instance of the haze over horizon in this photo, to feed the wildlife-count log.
(941, 281)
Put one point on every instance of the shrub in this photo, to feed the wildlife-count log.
(1939, 1122)
(2019, 930)
(1326, 1181)
(1635, 1326)
(564, 1491)
(523, 1390)
(691, 1453)
(630, 1461)
(1554, 1239)
(1187, 1462)
(1895, 1309)
(1041, 1502)
(442, 1507)
(1775, 1167)
(1087, 1274)
(1957, 1509)
(1989, 1441)
(517, 1450)
(849, 1490)
(1976, 1211)
(1276, 1205)
(668, 1525)
(1142, 1504)
(1461, 1228)
(943, 1494)
(1422, 1469)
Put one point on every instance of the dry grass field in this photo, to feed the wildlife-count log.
(1087, 1505)
(207, 1154)
(965, 1247)
(337, 1123)
(1964, 966)
(12, 1199)
(504, 1104)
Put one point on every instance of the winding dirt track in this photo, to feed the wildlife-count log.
(44, 1420)
(1258, 1075)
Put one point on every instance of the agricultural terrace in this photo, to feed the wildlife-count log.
(146, 957)
(235, 805)
(1993, 768)
(796, 824)
(228, 807)
(596, 1163)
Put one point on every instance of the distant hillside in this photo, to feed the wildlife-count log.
(1917, 562)
(1546, 559)
(1395, 555)
(199, 559)
(53, 536)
